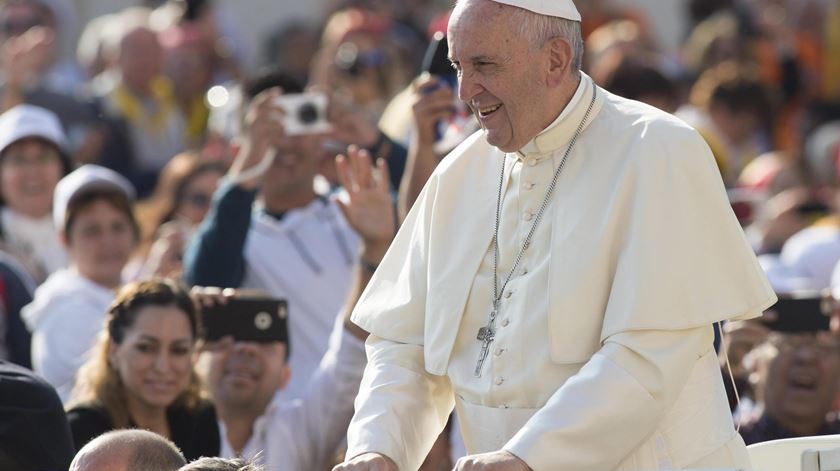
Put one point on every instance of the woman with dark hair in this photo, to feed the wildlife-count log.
(92, 210)
(141, 373)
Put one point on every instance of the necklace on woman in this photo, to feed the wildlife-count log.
(487, 334)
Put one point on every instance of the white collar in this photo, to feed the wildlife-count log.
(561, 130)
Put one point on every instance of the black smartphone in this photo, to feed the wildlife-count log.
(796, 314)
(246, 319)
(436, 60)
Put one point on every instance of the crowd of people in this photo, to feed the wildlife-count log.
(154, 175)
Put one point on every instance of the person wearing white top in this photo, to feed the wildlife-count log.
(274, 233)
(246, 378)
(92, 210)
(33, 158)
(558, 279)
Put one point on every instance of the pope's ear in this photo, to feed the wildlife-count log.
(560, 59)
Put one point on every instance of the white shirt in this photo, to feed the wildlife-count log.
(307, 258)
(36, 240)
(304, 434)
(605, 344)
(65, 318)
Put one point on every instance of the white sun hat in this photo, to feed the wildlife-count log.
(84, 178)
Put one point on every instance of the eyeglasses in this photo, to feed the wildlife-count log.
(825, 343)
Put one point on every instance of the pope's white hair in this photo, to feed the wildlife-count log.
(541, 28)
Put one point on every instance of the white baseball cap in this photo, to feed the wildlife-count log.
(559, 8)
(24, 121)
(84, 178)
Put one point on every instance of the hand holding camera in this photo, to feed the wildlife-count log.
(433, 105)
(271, 118)
(231, 315)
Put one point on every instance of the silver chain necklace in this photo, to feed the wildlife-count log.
(487, 334)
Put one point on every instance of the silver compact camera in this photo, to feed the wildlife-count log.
(305, 113)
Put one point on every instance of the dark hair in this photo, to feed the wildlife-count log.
(635, 79)
(98, 382)
(738, 88)
(155, 292)
(116, 198)
(270, 78)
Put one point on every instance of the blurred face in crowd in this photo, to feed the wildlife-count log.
(140, 59)
(359, 66)
(100, 241)
(190, 69)
(500, 75)
(29, 171)
(154, 360)
(296, 164)
(245, 376)
(198, 195)
(801, 379)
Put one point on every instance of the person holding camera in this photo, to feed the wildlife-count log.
(246, 376)
(268, 228)
(141, 372)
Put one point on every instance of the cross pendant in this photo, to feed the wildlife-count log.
(486, 335)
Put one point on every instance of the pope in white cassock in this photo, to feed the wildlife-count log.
(558, 279)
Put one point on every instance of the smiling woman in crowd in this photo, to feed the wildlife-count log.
(141, 373)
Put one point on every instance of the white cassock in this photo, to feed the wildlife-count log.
(603, 356)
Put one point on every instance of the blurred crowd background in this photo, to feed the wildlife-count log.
(123, 140)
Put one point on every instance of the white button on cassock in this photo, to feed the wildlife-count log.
(499, 381)
(505, 322)
(528, 215)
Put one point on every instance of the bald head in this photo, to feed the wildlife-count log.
(128, 450)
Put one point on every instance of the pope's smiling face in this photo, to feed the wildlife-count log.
(500, 75)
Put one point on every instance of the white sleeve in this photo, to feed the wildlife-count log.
(320, 417)
(61, 343)
(585, 427)
(401, 409)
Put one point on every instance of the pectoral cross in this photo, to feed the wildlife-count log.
(486, 335)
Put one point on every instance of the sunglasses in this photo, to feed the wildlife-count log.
(354, 62)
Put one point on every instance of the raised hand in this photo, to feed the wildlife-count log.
(262, 132)
(368, 206)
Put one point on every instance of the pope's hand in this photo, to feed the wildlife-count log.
(368, 462)
(495, 461)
